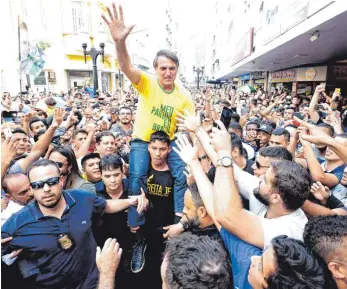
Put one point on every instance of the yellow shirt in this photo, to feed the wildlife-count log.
(157, 109)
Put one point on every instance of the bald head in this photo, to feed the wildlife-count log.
(17, 188)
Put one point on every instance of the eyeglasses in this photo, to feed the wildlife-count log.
(60, 165)
(125, 113)
(40, 184)
(258, 165)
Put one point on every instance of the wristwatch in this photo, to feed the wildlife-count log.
(185, 225)
(225, 162)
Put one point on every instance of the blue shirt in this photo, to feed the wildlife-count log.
(42, 254)
(90, 91)
(240, 256)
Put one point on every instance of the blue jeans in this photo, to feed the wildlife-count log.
(139, 166)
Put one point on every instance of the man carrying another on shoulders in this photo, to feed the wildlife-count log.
(160, 100)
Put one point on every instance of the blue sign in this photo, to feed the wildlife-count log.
(245, 76)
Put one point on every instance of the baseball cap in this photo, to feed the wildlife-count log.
(266, 128)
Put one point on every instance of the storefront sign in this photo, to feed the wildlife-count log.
(283, 76)
(245, 77)
(337, 73)
(51, 77)
(242, 49)
(318, 73)
(258, 75)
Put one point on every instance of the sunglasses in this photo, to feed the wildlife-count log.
(258, 165)
(60, 165)
(40, 184)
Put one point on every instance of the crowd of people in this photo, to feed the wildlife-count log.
(164, 187)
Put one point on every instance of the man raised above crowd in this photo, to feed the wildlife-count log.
(160, 101)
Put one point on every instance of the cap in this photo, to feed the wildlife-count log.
(266, 128)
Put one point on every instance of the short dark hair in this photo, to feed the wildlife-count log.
(281, 131)
(168, 54)
(38, 134)
(126, 108)
(197, 262)
(111, 162)
(328, 126)
(19, 130)
(235, 125)
(33, 120)
(236, 142)
(50, 101)
(235, 117)
(292, 182)
(193, 188)
(100, 135)
(88, 157)
(160, 136)
(42, 163)
(77, 131)
(253, 123)
(325, 234)
(276, 153)
(296, 267)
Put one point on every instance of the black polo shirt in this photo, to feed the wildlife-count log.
(42, 253)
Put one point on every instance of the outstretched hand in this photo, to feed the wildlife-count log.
(220, 138)
(188, 122)
(116, 24)
(186, 151)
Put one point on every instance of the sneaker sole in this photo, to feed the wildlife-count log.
(144, 261)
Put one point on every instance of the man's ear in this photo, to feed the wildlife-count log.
(202, 212)
(336, 270)
(8, 196)
(169, 150)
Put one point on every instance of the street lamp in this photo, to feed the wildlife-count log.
(199, 72)
(94, 53)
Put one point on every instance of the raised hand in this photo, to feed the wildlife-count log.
(116, 24)
(320, 192)
(319, 89)
(9, 148)
(186, 151)
(220, 138)
(316, 136)
(188, 122)
(58, 117)
(109, 257)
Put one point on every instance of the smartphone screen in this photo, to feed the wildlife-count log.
(338, 90)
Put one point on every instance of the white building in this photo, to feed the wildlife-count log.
(65, 25)
(259, 37)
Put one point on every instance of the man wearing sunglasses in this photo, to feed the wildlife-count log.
(55, 230)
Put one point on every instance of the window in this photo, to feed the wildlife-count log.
(77, 16)
(40, 79)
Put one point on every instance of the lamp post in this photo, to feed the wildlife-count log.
(199, 73)
(94, 53)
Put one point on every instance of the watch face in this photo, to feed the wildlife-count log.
(226, 162)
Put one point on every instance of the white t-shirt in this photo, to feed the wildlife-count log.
(291, 225)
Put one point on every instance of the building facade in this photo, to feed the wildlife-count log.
(64, 25)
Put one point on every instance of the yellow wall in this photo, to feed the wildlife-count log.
(71, 57)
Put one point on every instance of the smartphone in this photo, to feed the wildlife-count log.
(8, 133)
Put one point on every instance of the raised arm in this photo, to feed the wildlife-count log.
(227, 201)
(189, 155)
(41, 146)
(314, 101)
(119, 34)
(316, 171)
